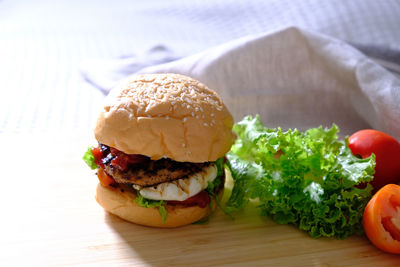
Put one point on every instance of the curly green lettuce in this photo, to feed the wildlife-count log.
(307, 179)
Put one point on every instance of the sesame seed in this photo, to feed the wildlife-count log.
(196, 109)
(188, 106)
(212, 114)
(192, 114)
(184, 119)
(205, 124)
(202, 116)
(149, 115)
(197, 117)
(166, 117)
(183, 145)
(201, 109)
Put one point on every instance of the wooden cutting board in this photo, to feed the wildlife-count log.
(50, 218)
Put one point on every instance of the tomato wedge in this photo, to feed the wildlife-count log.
(104, 178)
(381, 219)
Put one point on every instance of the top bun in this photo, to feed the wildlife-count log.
(166, 115)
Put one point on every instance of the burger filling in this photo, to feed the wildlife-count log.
(180, 189)
(178, 183)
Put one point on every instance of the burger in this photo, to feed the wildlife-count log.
(161, 145)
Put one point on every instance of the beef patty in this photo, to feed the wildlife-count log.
(154, 172)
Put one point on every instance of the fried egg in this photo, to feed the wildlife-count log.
(180, 189)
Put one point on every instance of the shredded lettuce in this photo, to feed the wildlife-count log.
(210, 190)
(212, 185)
(307, 179)
(149, 203)
(220, 166)
(89, 159)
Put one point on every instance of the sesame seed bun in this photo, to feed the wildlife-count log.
(162, 116)
(166, 115)
(122, 204)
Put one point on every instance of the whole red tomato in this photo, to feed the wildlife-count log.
(386, 150)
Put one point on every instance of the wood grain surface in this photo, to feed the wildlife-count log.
(50, 218)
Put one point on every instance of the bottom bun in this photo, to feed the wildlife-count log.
(122, 204)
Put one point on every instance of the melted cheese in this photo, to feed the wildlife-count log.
(180, 189)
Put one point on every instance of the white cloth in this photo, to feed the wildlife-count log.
(299, 79)
(371, 26)
(104, 74)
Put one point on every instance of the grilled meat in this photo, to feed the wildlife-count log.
(140, 170)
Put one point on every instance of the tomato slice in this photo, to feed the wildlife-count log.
(122, 161)
(98, 155)
(104, 178)
(201, 199)
(381, 219)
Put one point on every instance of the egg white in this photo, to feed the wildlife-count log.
(180, 189)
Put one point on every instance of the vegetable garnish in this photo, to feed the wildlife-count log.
(302, 178)
(211, 190)
(104, 178)
(88, 157)
(149, 203)
(382, 219)
(387, 153)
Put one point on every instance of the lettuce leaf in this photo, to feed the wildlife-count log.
(220, 166)
(307, 179)
(211, 187)
(149, 203)
(89, 159)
